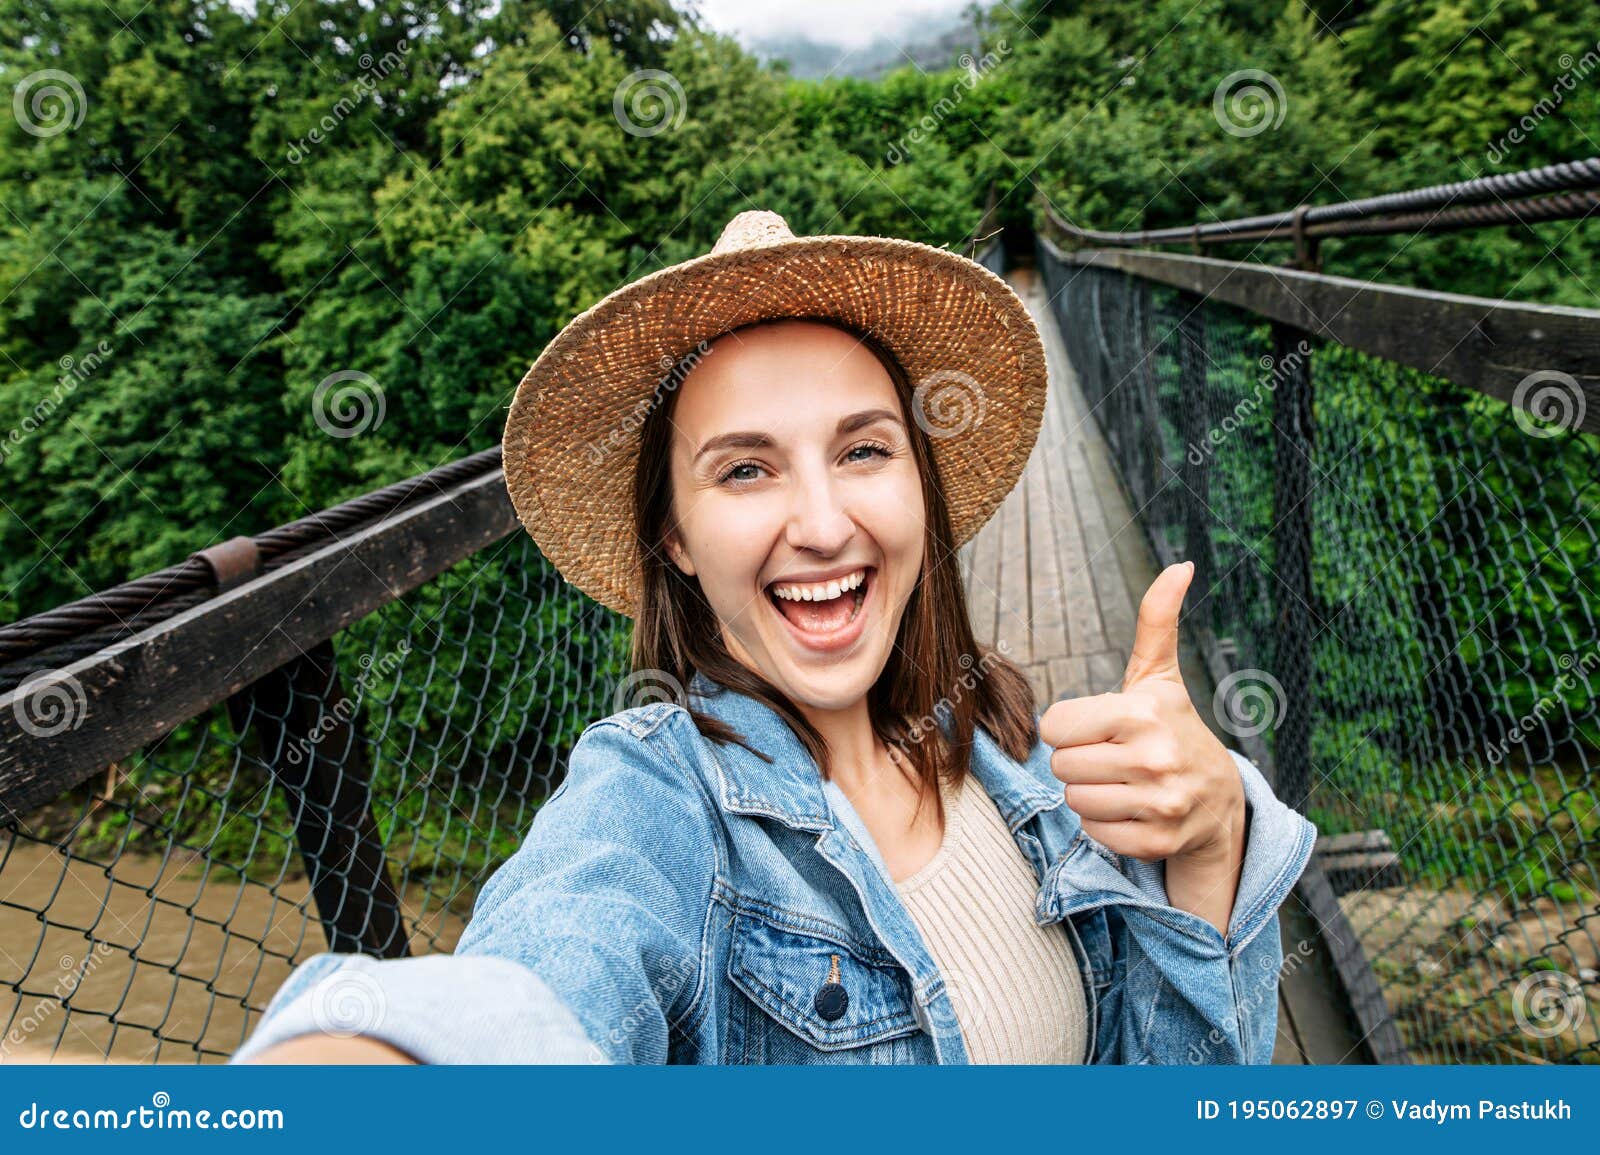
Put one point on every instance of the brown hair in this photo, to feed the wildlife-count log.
(936, 665)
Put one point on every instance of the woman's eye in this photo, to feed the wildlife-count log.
(870, 449)
(732, 472)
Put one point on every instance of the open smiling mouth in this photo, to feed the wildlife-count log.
(824, 615)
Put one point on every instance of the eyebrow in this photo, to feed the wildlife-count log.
(753, 440)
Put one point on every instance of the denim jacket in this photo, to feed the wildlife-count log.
(678, 900)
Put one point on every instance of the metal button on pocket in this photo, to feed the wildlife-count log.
(832, 999)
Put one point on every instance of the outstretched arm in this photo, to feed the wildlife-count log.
(583, 947)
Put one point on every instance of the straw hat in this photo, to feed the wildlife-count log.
(966, 342)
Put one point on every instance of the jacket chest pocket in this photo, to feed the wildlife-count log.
(865, 1014)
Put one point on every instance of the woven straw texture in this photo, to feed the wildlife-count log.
(967, 343)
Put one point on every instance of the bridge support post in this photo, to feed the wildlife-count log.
(1292, 592)
(306, 726)
(1195, 470)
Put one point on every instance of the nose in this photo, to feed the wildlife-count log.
(818, 520)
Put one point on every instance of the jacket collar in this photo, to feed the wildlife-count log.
(790, 787)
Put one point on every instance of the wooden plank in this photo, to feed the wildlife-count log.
(983, 589)
(1085, 632)
(1287, 1048)
(134, 692)
(1044, 568)
(1136, 562)
(1487, 345)
(1118, 610)
(1355, 981)
(1039, 674)
(1069, 677)
(1307, 984)
(1106, 669)
(1355, 843)
(1013, 626)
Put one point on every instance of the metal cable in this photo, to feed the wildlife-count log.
(120, 607)
(1483, 200)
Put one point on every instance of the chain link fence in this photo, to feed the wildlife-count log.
(1397, 584)
(355, 799)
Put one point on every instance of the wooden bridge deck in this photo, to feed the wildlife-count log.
(1057, 575)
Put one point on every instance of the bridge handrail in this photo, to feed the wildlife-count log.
(1488, 345)
(1554, 192)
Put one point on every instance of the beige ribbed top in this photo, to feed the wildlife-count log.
(1015, 985)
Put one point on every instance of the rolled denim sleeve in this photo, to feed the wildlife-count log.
(1174, 989)
(436, 1008)
(584, 946)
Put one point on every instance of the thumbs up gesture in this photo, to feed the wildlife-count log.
(1145, 774)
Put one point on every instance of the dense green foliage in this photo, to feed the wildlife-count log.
(234, 208)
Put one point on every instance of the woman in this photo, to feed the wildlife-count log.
(845, 836)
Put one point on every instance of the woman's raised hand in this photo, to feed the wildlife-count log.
(1145, 774)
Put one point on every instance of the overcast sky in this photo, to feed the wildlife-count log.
(849, 23)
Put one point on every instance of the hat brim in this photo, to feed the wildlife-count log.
(965, 340)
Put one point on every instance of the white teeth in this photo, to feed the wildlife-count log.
(821, 591)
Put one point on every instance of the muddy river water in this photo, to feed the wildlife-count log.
(159, 960)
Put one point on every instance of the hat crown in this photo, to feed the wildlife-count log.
(754, 229)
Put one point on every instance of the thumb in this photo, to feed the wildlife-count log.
(1155, 639)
